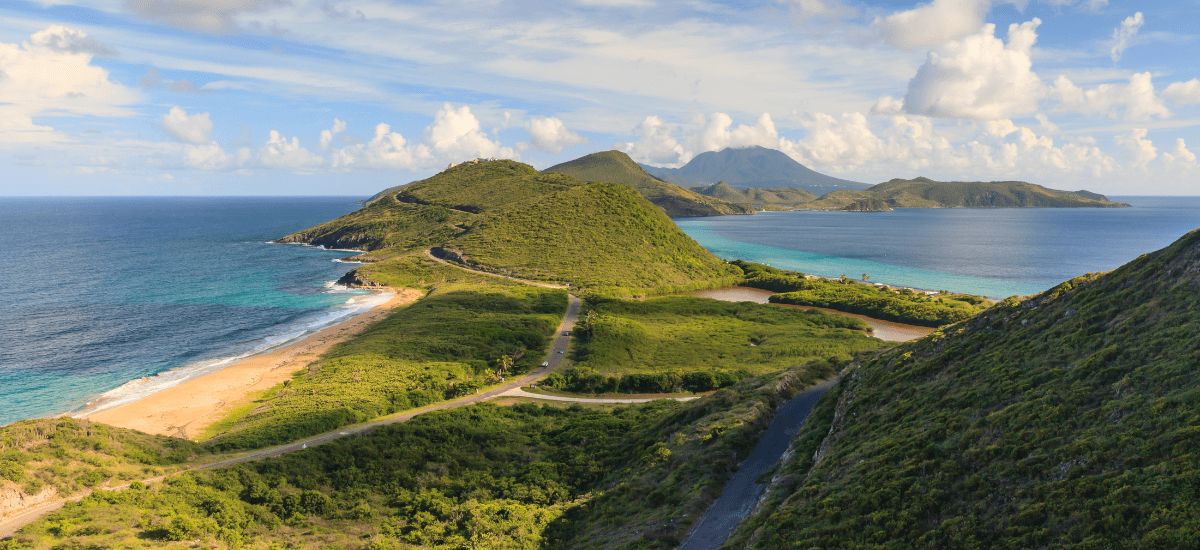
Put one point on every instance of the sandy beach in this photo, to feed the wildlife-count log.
(186, 409)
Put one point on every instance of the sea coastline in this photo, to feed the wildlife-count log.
(186, 409)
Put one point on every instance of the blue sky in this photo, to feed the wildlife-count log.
(299, 97)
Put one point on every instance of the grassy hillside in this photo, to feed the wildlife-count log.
(617, 167)
(779, 196)
(681, 343)
(506, 217)
(600, 235)
(1070, 420)
(926, 193)
(63, 456)
(477, 477)
(446, 345)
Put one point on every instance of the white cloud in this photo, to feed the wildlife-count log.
(454, 136)
(1136, 100)
(213, 16)
(979, 77)
(616, 3)
(52, 74)
(1135, 141)
(1180, 155)
(809, 10)
(282, 154)
(932, 24)
(1186, 93)
(194, 129)
(327, 135)
(455, 133)
(549, 134)
(845, 141)
(1123, 34)
(655, 144)
(61, 39)
(717, 134)
(208, 156)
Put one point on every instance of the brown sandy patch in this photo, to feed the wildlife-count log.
(187, 409)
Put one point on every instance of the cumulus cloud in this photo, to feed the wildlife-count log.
(655, 144)
(1180, 155)
(52, 74)
(209, 156)
(283, 154)
(932, 24)
(1135, 142)
(454, 136)
(327, 135)
(212, 16)
(979, 77)
(549, 134)
(1185, 93)
(719, 133)
(61, 39)
(1133, 101)
(194, 129)
(1124, 33)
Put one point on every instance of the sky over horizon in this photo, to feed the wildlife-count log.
(348, 97)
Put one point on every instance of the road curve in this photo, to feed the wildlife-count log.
(742, 492)
(10, 525)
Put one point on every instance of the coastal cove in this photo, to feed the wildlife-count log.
(126, 295)
(995, 252)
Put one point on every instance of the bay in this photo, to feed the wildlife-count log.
(120, 296)
(995, 252)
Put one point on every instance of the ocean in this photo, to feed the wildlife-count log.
(995, 252)
(106, 299)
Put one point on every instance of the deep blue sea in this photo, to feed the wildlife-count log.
(996, 252)
(96, 294)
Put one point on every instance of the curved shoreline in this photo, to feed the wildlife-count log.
(186, 409)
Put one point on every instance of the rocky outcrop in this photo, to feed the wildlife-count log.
(13, 499)
(357, 279)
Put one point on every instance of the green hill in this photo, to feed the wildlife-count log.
(779, 196)
(617, 167)
(1070, 420)
(926, 193)
(507, 217)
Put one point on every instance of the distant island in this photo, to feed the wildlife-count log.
(927, 193)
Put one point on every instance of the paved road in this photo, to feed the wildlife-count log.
(742, 492)
(10, 525)
(520, 392)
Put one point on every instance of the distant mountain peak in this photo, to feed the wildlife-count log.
(751, 167)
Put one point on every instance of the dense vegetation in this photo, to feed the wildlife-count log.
(774, 198)
(617, 167)
(506, 217)
(902, 305)
(926, 193)
(1069, 420)
(448, 344)
(65, 456)
(476, 477)
(680, 343)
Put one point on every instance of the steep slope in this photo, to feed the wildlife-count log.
(507, 217)
(1070, 420)
(617, 167)
(927, 193)
(779, 196)
(598, 235)
(753, 167)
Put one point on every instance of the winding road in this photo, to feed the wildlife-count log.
(742, 492)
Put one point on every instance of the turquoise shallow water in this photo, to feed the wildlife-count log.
(103, 300)
(993, 252)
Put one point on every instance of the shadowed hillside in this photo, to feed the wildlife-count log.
(617, 167)
(766, 198)
(1069, 420)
